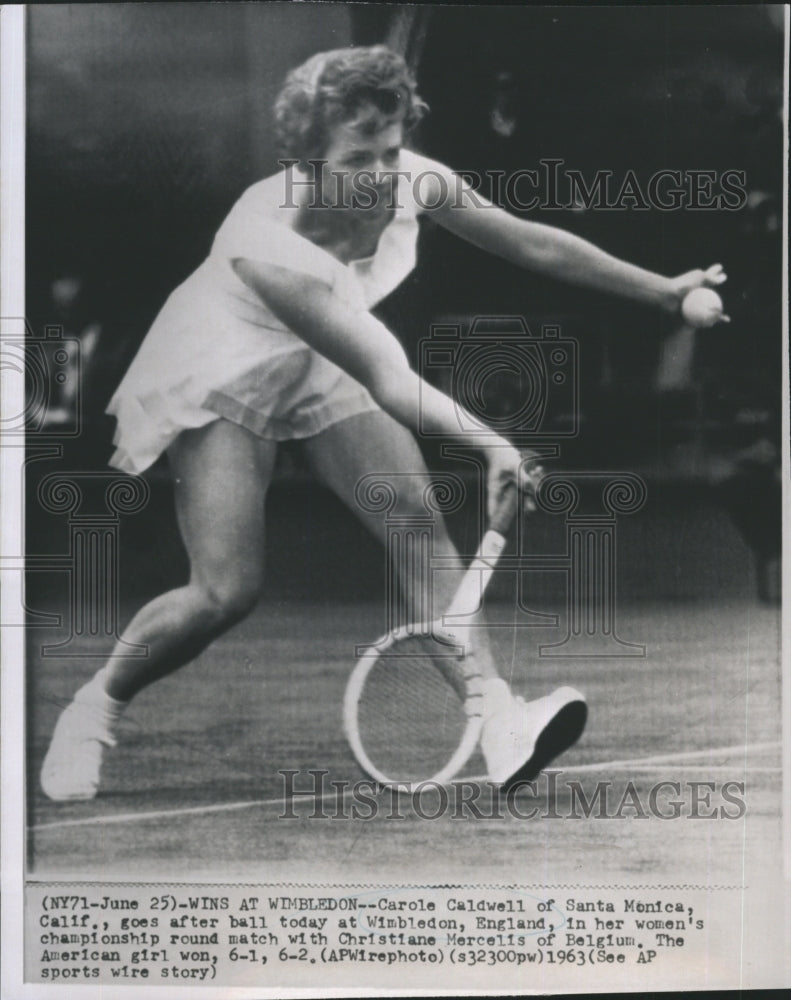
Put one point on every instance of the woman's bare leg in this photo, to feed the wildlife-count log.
(374, 442)
(221, 475)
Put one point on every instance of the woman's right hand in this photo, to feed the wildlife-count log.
(507, 465)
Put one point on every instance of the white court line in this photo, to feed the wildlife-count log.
(719, 769)
(638, 764)
(137, 817)
(669, 758)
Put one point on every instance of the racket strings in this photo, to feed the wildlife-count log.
(415, 708)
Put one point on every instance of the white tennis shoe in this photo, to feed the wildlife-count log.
(71, 769)
(520, 738)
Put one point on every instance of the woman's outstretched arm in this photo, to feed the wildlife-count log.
(548, 250)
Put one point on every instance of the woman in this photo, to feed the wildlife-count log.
(272, 339)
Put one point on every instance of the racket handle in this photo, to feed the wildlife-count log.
(505, 509)
(467, 598)
(476, 579)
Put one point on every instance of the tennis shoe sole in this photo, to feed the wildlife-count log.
(520, 740)
(562, 732)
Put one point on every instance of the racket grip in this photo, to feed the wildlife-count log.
(505, 509)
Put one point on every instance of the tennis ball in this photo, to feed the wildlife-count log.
(702, 307)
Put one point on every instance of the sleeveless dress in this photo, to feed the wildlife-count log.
(216, 350)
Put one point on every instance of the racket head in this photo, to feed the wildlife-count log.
(412, 708)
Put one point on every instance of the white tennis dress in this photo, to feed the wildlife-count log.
(216, 350)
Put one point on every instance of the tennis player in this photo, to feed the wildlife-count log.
(271, 339)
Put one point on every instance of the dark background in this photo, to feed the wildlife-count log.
(147, 121)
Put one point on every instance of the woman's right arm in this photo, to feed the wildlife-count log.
(357, 342)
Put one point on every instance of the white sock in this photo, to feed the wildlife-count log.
(496, 696)
(93, 693)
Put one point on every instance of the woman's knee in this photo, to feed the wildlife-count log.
(415, 506)
(228, 598)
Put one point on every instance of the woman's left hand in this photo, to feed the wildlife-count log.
(712, 277)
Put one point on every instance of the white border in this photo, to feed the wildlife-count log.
(12, 304)
(785, 438)
(12, 235)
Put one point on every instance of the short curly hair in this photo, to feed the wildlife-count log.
(331, 87)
